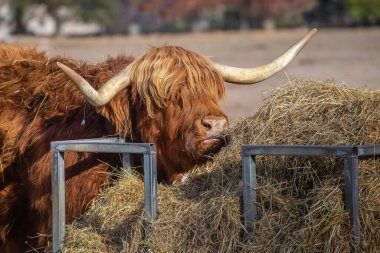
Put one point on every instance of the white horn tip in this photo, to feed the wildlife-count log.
(311, 33)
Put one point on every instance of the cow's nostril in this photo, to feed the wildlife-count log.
(206, 124)
(214, 124)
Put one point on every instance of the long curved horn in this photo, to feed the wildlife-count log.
(106, 92)
(255, 75)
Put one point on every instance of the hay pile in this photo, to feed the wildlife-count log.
(300, 200)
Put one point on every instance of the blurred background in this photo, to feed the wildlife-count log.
(242, 33)
(102, 17)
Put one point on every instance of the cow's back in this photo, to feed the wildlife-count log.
(34, 92)
(39, 104)
(31, 89)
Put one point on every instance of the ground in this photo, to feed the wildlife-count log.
(348, 56)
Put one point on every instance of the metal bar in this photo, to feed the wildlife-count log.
(150, 185)
(58, 198)
(351, 182)
(88, 141)
(97, 140)
(285, 150)
(104, 148)
(249, 191)
(368, 150)
(362, 150)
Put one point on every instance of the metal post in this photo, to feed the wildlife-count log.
(150, 185)
(126, 161)
(249, 191)
(351, 181)
(58, 198)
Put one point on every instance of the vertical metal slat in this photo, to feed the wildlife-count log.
(150, 185)
(351, 181)
(126, 161)
(58, 198)
(249, 191)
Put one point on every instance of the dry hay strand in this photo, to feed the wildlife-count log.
(300, 199)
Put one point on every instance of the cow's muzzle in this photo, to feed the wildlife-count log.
(214, 126)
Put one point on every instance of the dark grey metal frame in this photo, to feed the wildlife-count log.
(102, 145)
(350, 154)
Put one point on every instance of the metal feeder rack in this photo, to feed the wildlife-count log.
(350, 154)
(101, 145)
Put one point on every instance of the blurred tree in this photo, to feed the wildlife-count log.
(164, 14)
(171, 10)
(363, 11)
(184, 15)
(347, 12)
(18, 7)
(330, 12)
(274, 8)
(102, 11)
(169, 15)
(270, 10)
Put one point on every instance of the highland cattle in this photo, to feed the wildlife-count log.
(168, 96)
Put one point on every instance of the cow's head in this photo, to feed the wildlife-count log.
(176, 96)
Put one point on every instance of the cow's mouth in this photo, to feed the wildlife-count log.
(214, 143)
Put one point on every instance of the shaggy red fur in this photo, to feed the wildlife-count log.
(172, 90)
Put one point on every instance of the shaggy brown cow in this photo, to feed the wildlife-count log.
(169, 96)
